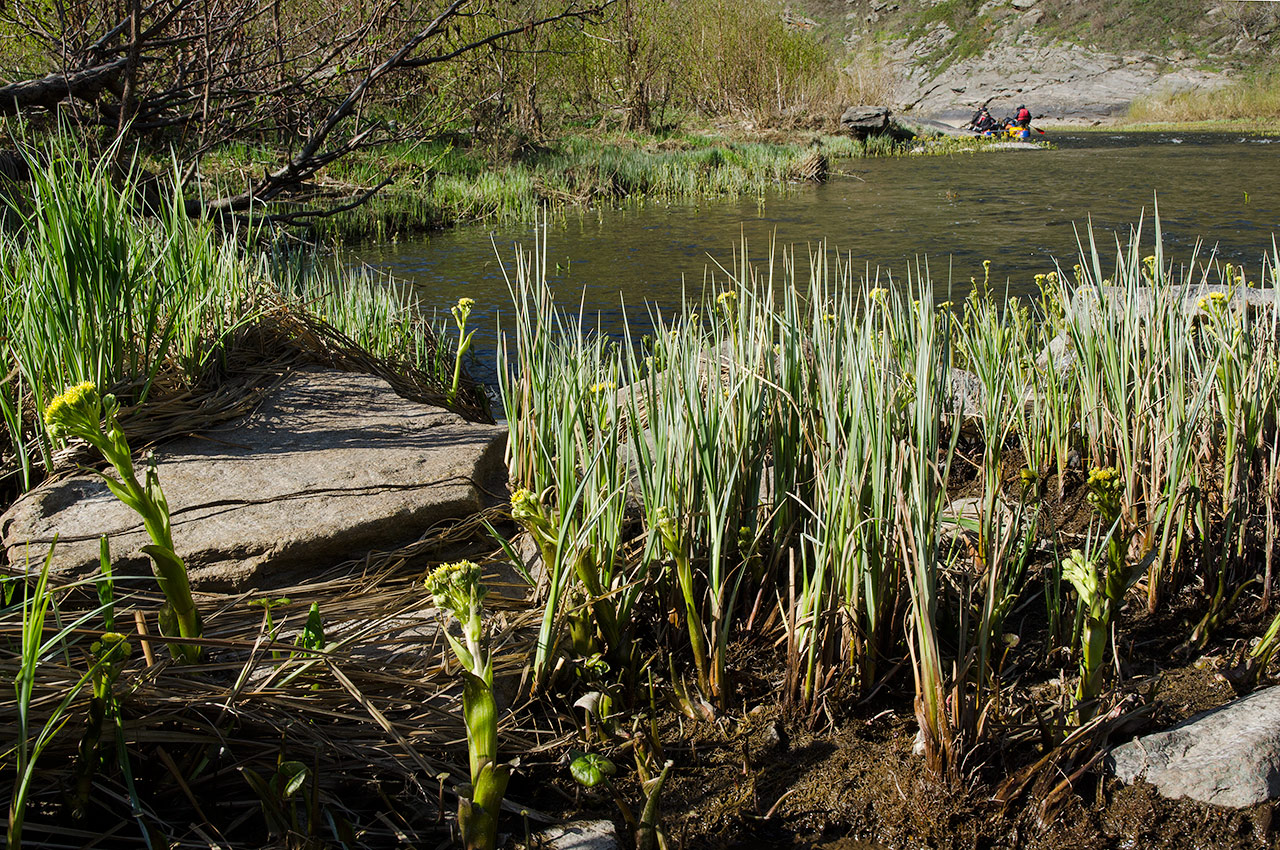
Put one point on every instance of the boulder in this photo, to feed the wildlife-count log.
(966, 396)
(863, 121)
(926, 128)
(1089, 300)
(330, 466)
(1229, 756)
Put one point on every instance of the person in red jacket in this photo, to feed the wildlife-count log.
(1023, 117)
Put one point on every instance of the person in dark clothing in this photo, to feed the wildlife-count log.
(1023, 117)
(982, 121)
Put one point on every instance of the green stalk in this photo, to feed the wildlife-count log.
(456, 588)
(461, 312)
(79, 412)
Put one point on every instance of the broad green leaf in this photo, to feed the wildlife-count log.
(590, 769)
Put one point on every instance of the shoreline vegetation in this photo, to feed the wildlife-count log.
(442, 185)
(815, 514)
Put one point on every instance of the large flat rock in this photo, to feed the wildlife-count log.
(330, 466)
(1228, 757)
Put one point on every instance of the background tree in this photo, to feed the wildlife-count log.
(317, 81)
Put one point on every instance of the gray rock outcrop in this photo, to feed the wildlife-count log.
(330, 466)
(1229, 756)
(864, 121)
(1058, 82)
(944, 60)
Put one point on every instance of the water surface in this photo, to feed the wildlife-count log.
(1021, 209)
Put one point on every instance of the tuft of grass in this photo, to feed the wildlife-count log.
(144, 305)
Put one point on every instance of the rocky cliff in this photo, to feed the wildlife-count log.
(1074, 60)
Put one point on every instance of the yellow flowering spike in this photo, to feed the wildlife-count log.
(524, 505)
(665, 523)
(456, 587)
(1105, 489)
(1213, 302)
(462, 311)
(74, 405)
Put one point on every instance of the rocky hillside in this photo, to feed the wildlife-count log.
(1066, 59)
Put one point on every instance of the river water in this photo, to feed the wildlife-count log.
(1021, 209)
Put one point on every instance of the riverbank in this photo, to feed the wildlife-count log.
(439, 184)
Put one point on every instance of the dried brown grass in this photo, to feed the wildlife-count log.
(375, 717)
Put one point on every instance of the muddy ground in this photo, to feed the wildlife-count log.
(851, 781)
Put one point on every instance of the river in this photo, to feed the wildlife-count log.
(1020, 209)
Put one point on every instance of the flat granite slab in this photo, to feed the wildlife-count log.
(330, 466)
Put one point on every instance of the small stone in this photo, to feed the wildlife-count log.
(579, 835)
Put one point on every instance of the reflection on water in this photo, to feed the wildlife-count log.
(1020, 209)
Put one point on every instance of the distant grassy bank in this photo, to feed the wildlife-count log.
(1252, 103)
(438, 184)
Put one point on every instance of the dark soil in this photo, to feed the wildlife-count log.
(761, 778)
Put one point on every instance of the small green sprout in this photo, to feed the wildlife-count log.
(590, 769)
(312, 635)
(461, 313)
